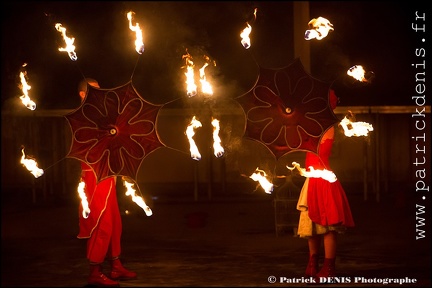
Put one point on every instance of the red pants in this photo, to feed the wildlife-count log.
(105, 238)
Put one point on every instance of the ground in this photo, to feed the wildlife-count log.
(224, 241)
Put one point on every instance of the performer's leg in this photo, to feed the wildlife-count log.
(329, 269)
(115, 245)
(97, 247)
(98, 243)
(314, 243)
(117, 269)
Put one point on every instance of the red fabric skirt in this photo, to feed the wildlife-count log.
(327, 202)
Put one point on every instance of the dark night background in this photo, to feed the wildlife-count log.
(377, 35)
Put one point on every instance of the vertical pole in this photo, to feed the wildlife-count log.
(223, 174)
(377, 159)
(34, 138)
(210, 172)
(365, 171)
(301, 15)
(195, 181)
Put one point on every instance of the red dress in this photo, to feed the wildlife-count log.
(327, 202)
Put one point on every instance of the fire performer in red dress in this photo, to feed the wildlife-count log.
(324, 208)
(103, 226)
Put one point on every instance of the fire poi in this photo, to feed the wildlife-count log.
(190, 132)
(261, 176)
(31, 165)
(130, 191)
(314, 173)
(359, 73)
(69, 42)
(25, 87)
(319, 28)
(139, 44)
(354, 128)
(245, 38)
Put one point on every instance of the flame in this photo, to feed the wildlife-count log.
(319, 28)
(246, 42)
(358, 73)
(139, 44)
(70, 48)
(312, 173)
(217, 147)
(190, 132)
(260, 176)
(84, 202)
(205, 85)
(25, 88)
(191, 87)
(137, 199)
(355, 128)
(31, 165)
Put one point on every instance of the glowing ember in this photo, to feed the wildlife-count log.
(139, 44)
(70, 48)
(319, 28)
(246, 42)
(25, 88)
(355, 128)
(312, 173)
(260, 176)
(31, 165)
(217, 147)
(190, 132)
(84, 202)
(191, 87)
(137, 199)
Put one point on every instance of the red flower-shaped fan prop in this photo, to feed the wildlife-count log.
(113, 131)
(287, 110)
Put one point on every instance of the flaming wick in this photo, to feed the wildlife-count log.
(31, 165)
(139, 44)
(312, 173)
(190, 132)
(84, 202)
(246, 42)
(25, 87)
(319, 28)
(355, 128)
(260, 176)
(217, 147)
(70, 48)
(137, 199)
(191, 87)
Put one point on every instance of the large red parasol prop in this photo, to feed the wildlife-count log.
(287, 110)
(113, 131)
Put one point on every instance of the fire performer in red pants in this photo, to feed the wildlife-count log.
(103, 226)
(325, 211)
